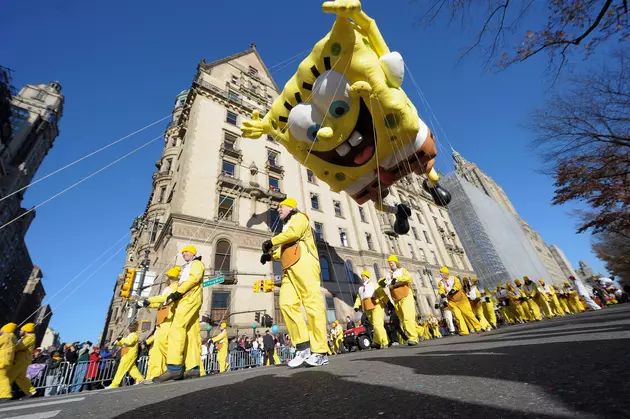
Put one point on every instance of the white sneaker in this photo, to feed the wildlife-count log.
(317, 360)
(300, 357)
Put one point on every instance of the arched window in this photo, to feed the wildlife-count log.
(324, 268)
(377, 271)
(222, 256)
(422, 279)
(350, 271)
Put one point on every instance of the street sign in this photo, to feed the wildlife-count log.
(214, 281)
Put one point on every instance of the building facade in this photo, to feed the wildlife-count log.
(219, 191)
(35, 113)
(31, 299)
(562, 261)
(475, 176)
(51, 338)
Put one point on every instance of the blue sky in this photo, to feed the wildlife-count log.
(121, 64)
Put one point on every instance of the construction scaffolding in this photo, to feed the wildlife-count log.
(492, 237)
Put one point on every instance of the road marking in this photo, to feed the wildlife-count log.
(42, 415)
(31, 405)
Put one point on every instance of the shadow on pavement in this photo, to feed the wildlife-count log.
(574, 372)
(314, 394)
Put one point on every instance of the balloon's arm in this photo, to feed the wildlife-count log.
(256, 127)
(374, 35)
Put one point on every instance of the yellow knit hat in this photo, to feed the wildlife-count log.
(9, 328)
(289, 202)
(365, 273)
(518, 282)
(444, 270)
(190, 248)
(174, 272)
(392, 258)
(28, 328)
(475, 280)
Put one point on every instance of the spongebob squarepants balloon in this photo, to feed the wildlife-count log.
(344, 115)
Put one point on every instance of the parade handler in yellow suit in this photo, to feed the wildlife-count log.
(8, 342)
(301, 283)
(221, 341)
(399, 282)
(372, 300)
(183, 335)
(157, 354)
(451, 289)
(23, 358)
(128, 360)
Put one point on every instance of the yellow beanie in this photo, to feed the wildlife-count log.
(174, 272)
(9, 328)
(365, 273)
(525, 278)
(392, 258)
(289, 202)
(28, 328)
(542, 281)
(518, 282)
(224, 324)
(190, 248)
(475, 280)
(444, 270)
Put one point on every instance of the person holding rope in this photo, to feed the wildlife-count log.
(129, 357)
(372, 300)
(301, 283)
(398, 280)
(183, 335)
(8, 342)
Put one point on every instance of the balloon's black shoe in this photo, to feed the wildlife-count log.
(401, 225)
(441, 196)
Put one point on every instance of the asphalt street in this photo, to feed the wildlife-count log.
(574, 367)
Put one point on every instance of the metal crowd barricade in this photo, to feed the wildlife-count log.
(59, 380)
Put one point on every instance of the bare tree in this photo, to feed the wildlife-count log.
(570, 26)
(614, 250)
(583, 135)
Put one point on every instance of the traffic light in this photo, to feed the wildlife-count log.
(269, 285)
(261, 285)
(257, 317)
(125, 290)
(267, 321)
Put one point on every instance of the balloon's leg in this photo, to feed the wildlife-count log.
(402, 212)
(441, 196)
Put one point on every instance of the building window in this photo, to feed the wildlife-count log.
(319, 232)
(231, 118)
(362, 214)
(368, 238)
(310, 176)
(154, 231)
(436, 223)
(168, 165)
(337, 206)
(229, 141)
(162, 194)
(350, 272)
(234, 79)
(252, 71)
(423, 255)
(415, 233)
(274, 184)
(448, 230)
(431, 209)
(275, 225)
(392, 245)
(270, 137)
(226, 208)
(222, 256)
(422, 279)
(170, 195)
(413, 255)
(426, 236)
(343, 237)
(314, 201)
(228, 168)
(41, 95)
(434, 256)
(219, 306)
(377, 271)
(233, 96)
(419, 217)
(146, 326)
(272, 158)
(331, 315)
(324, 268)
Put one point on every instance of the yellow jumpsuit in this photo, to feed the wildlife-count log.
(573, 300)
(8, 342)
(506, 310)
(488, 307)
(338, 336)
(475, 298)
(554, 304)
(376, 316)
(530, 308)
(533, 290)
(563, 299)
(156, 365)
(435, 328)
(427, 330)
(405, 307)
(459, 304)
(128, 361)
(22, 359)
(183, 335)
(515, 307)
(221, 341)
(301, 286)
(421, 329)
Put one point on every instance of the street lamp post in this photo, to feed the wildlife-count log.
(143, 273)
